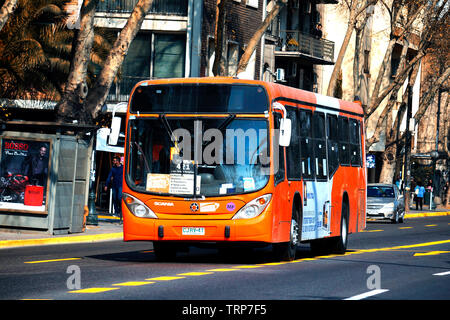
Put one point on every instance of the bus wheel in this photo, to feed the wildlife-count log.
(164, 251)
(339, 244)
(286, 250)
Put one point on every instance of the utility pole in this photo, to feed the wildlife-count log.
(407, 163)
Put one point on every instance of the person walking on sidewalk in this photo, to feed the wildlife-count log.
(116, 174)
(419, 193)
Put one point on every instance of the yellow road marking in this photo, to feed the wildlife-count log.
(52, 260)
(194, 273)
(221, 270)
(373, 230)
(430, 225)
(93, 290)
(405, 227)
(164, 278)
(133, 283)
(210, 271)
(430, 253)
(272, 263)
(247, 267)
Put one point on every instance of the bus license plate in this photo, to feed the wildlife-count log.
(193, 231)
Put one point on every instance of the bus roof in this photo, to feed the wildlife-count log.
(276, 92)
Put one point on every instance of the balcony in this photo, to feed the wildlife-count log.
(120, 91)
(299, 45)
(160, 7)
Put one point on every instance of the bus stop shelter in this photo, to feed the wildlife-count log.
(44, 175)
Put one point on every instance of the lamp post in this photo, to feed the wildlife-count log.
(92, 218)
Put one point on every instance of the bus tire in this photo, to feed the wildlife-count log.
(285, 251)
(339, 244)
(164, 251)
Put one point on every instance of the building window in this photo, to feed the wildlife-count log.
(232, 58)
(170, 54)
(252, 3)
(366, 66)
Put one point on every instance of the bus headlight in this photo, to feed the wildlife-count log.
(138, 208)
(253, 208)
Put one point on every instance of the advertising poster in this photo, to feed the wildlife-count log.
(24, 169)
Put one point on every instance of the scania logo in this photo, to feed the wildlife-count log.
(194, 207)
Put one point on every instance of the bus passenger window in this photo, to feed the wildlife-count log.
(293, 151)
(320, 151)
(306, 145)
(333, 145)
(355, 146)
(344, 149)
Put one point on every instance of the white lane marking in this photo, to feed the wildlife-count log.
(441, 273)
(367, 294)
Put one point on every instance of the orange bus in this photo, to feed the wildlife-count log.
(230, 161)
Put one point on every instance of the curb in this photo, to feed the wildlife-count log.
(61, 240)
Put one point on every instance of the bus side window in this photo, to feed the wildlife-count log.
(279, 168)
(355, 146)
(293, 151)
(332, 142)
(344, 150)
(306, 144)
(320, 151)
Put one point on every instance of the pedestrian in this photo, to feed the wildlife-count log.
(418, 197)
(318, 31)
(116, 175)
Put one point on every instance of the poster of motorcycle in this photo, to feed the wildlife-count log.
(24, 168)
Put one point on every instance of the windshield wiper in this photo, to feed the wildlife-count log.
(169, 131)
(222, 126)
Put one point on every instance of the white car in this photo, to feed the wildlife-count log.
(384, 201)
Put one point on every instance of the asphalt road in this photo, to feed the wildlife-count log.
(385, 262)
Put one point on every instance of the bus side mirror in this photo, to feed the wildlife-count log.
(115, 130)
(285, 126)
(285, 132)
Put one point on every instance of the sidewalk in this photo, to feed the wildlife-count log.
(110, 228)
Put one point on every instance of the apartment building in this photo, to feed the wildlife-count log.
(295, 51)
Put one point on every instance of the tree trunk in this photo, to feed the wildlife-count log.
(6, 10)
(70, 105)
(354, 13)
(251, 46)
(218, 68)
(97, 95)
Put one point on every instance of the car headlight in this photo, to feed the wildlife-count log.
(253, 208)
(138, 208)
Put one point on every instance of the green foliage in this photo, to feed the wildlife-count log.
(36, 51)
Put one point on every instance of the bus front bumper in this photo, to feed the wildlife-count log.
(258, 229)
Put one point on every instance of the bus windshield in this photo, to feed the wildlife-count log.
(214, 156)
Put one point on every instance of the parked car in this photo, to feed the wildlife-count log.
(384, 201)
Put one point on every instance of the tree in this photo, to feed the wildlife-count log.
(356, 8)
(6, 10)
(251, 46)
(76, 88)
(219, 31)
(431, 16)
(87, 109)
(34, 51)
(275, 7)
